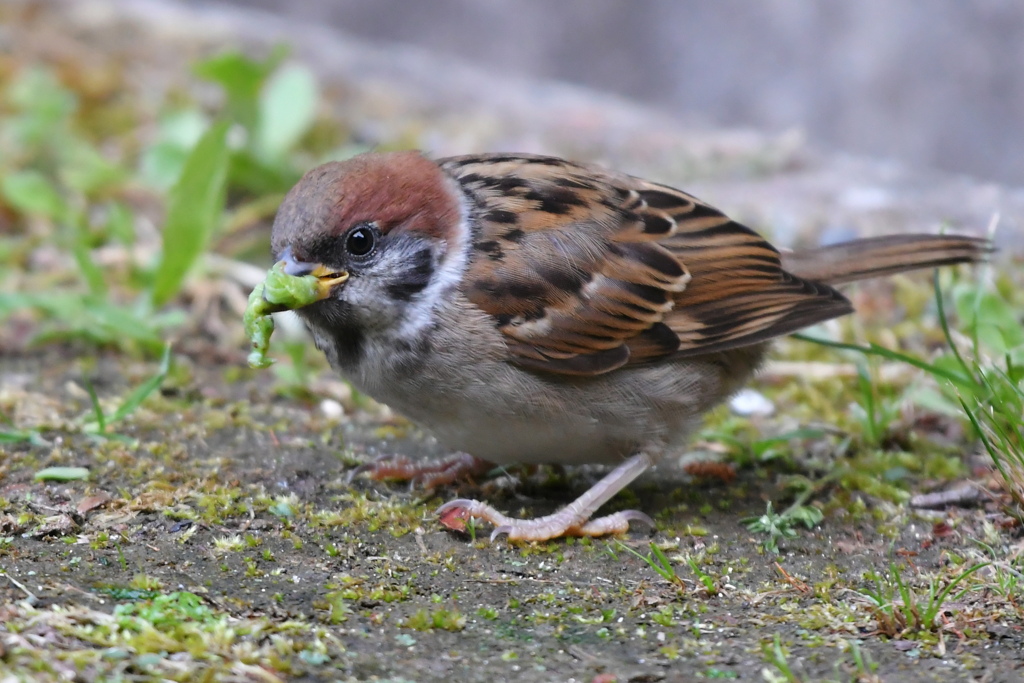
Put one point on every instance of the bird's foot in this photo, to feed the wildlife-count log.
(565, 522)
(429, 474)
(572, 520)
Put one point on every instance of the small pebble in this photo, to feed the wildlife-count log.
(331, 409)
(748, 402)
(74, 390)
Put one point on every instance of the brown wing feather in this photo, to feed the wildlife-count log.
(586, 270)
(739, 294)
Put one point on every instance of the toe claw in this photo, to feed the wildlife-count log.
(637, 516)
(463, 503)
(356, 472)
(504, 530)
(428, 474)
(453, 516)
(366, 467)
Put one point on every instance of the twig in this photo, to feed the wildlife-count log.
(31, 598)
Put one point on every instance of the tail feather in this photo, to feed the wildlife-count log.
(877, 256)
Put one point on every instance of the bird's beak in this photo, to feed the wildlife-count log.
(327, 278)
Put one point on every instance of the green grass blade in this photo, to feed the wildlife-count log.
(990, 448)
(662, 566)
(91, 272)
(867, 393)
(97, 409)
(876, 350)
(661, 558)
(194, 208)
(936, 605)
(944, 322)
(143, 391)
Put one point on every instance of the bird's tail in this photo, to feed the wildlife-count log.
(878, 256)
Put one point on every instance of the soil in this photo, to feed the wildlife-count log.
(212, 457)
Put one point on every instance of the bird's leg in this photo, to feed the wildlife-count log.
(573, 519)
(427, 473)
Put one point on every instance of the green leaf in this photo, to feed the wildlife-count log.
(62, 474)
(807, 515)
(929, 398)
(252, 174)
(992, 321)
(120, 223)
(162, 162)
(86, 170)
(22, 436)
(242, 79)
(30, 192)
(183, 127)
(194, 209)
(81, 316)
(45, 106)
(287, 107)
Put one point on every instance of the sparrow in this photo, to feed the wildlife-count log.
(529, 309)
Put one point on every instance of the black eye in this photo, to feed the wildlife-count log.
(360, 241)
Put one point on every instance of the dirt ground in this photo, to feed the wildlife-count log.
(365, 572)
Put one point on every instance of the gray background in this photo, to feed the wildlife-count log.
(936, 83)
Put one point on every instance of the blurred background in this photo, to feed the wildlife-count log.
(935, 84)
(146, 144)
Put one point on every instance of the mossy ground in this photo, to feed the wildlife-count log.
(236, 493)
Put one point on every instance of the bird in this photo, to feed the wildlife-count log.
(533, 310)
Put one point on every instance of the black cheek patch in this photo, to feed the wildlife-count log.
(414, 277)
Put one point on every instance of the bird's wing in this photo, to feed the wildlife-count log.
(585, 271)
